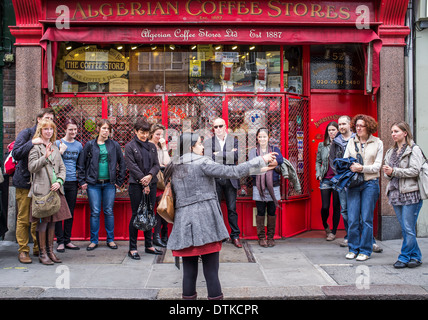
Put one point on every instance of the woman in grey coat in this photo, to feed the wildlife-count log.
(199, 228)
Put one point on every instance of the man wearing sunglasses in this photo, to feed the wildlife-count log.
(223, 149)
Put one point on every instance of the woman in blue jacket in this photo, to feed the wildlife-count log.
(101, 168)
(266, 188)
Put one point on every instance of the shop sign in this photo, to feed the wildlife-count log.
(337, 68)
(217, 11)
(92, 65)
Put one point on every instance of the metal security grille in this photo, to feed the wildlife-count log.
(297, 142)
(246, 115)
(123, 111)
(286, 117)
(193, 113)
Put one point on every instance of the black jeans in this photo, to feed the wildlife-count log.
(263, 205)
(63, 228)
(136, 195)
(225, 187)
(326, 195)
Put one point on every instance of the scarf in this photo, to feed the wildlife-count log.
(265, 180)
(394, 162)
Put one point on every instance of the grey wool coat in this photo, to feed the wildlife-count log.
(198, 218)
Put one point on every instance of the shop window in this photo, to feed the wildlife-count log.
(178, 68)
(337, 67)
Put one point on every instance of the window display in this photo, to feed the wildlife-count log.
(178, 68)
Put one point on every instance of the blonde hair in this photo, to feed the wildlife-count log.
(154, 127)
(45, 123)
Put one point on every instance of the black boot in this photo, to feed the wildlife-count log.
(157, 241)
(190, 297)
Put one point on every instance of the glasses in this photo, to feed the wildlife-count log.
(360, 126)
(219, 126)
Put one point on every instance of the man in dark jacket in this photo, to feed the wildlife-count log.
(337, 150)
(223, 149)
(21, 180)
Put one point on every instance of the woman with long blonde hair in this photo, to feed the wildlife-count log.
(48, 174)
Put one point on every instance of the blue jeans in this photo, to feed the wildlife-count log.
(344, 209)
(361, 204)
(407, 216)
(101, 194)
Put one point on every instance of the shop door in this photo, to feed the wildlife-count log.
(327, 107)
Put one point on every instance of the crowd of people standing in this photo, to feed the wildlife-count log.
(99, 167)
(344, 142)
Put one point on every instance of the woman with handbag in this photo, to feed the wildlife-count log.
(266, 189)
(142, 162)
(198, 228)
(402, 166)
(48, 174)
(70, 150)
(362, 199)
(156, 136)
(101, 169)
(324, 173)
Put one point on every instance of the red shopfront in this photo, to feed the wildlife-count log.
(293, 67)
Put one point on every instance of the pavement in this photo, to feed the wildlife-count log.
(304, 267)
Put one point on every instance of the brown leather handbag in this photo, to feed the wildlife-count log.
(166, 205)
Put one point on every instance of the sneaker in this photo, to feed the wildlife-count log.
(376, 248)
(344, 243)
(413, 263)
(350, 255)
(331, 237)
(362, 257)
(399, 265)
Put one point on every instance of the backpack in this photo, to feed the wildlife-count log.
(10, 162)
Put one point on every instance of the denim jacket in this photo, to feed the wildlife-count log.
(344, 174)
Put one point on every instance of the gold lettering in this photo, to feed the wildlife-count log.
(275, 8)
(296, 9)
(255, 8)
(345, 12)
(287, 8)
(315, 10)
(110, 10)
(159, 7)
(231, 5)
(149, 8)
(330, 9)
(221, 5)
(121, 6)
(241, 5)
(90, 12)
(188, 8)
(135, 8)
(82, 12)
(204, 9)
(169, 5)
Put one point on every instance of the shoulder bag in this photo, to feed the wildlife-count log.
(166, 205)
(423, 177)
(47, 205)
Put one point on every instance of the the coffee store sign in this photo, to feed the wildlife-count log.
(212, 11)
(89, 64)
